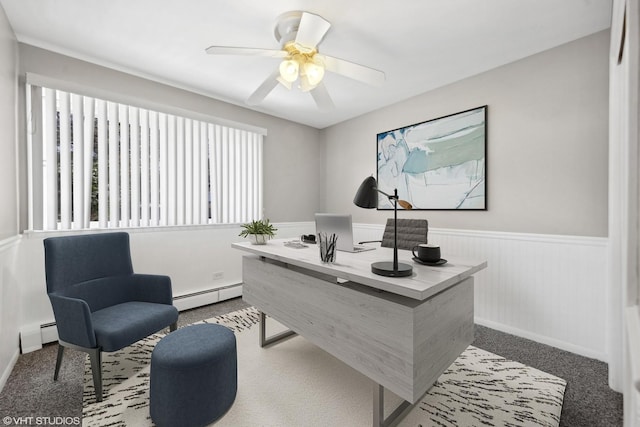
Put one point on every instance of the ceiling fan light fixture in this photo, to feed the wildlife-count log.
(289, 70)
(314, 72)
(299, 34)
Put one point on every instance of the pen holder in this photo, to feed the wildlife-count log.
(327, 245)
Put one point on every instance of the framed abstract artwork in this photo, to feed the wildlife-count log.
(438, 164)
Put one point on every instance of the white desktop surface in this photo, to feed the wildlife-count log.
(425, 281)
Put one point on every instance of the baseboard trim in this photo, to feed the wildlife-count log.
(7, 372)
(582, 351)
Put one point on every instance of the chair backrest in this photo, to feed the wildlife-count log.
(411, 232)
(72, 259)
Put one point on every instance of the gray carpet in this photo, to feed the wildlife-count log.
(588, 402)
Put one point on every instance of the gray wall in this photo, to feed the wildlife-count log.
(547, 141)
(547, 144)
(9, 288)
(290, 193)
(8, 113)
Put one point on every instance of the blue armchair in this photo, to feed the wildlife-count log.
(99, 303)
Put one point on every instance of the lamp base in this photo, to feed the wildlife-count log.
(385, 268)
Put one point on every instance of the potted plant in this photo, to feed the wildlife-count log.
(258, 231)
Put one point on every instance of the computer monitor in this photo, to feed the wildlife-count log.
(341, 225)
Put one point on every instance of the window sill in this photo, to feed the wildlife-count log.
(132, 230)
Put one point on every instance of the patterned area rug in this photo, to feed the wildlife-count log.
(294, 383)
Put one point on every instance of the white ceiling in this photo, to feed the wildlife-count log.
(419, 44)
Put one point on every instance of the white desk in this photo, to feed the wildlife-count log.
(403, 333)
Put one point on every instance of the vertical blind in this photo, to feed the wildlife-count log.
(112, 165)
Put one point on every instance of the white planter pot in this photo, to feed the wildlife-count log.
(258, 239)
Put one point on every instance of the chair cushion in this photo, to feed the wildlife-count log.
(123, 324)
(193, 346)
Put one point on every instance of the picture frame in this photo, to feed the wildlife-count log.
(438, 164)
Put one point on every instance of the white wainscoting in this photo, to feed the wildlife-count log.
(544, 287)
(9, 307)
(548, 288)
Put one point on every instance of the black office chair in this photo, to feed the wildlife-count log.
(411, 232)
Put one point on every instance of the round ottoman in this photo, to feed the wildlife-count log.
(194, 376)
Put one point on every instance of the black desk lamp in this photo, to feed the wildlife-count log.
(367, 197)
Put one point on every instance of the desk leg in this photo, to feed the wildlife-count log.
(378, 409)
(264, 340)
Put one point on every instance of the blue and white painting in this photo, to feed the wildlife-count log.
(437, 164)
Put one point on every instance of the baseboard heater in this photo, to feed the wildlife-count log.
(33, 337)
(205, 292)
(207, 296)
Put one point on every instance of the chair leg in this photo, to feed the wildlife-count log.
(58, 361)
(95, 356)
(173, 326)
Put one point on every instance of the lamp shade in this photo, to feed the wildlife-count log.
(367, 195)
(314, 72)
(289, 70)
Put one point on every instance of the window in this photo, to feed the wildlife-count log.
(98, 163)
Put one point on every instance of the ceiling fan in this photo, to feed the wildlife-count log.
(299, 34)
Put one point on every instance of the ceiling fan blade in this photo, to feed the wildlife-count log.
(229, 50)
(354, 71)
(311, 30)
(264, 89)
(321, 95)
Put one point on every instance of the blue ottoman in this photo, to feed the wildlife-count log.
(194, 376)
